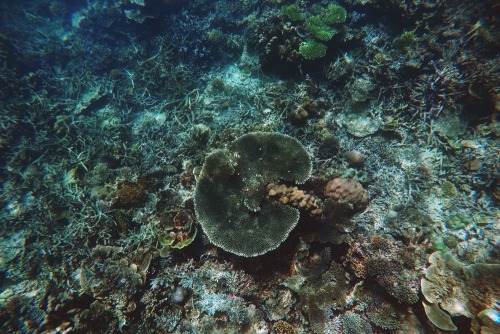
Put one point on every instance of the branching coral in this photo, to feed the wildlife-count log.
(296, 197)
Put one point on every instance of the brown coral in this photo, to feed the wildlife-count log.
(283, 327)
(296, 197)
(303, 112)
(391, 264)
(356, 158)
(458, 289)
(130, 194)
(347, 191)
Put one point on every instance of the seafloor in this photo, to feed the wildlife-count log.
(279, 166)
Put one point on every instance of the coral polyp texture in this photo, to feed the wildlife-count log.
(312, 50)
(347, 191)
(230, 197)
(389, 264)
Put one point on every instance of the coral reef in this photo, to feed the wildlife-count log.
(312, 50)
(249, 166)
(295, 197)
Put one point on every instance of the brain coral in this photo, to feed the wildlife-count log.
(230, 196)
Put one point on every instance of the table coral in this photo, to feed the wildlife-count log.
(230, 200)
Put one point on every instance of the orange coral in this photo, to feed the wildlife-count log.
(295, 197)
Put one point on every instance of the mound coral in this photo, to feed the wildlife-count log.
(230, 196)
(348, 191)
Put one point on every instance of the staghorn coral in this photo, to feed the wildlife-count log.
(451, 288)
(230, 200)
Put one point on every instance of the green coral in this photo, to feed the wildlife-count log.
(405, 40)
(187, 242)
(449, 189)
(450, 242)
(439, 246)
(292, 12)
(230, 196)
(317, 28)
(319, 22)
(457, 221)
(311, 50)
(334, 14)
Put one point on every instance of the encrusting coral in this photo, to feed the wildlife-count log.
(453, 289)
(390, 264)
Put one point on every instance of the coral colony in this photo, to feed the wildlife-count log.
(250, 167)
